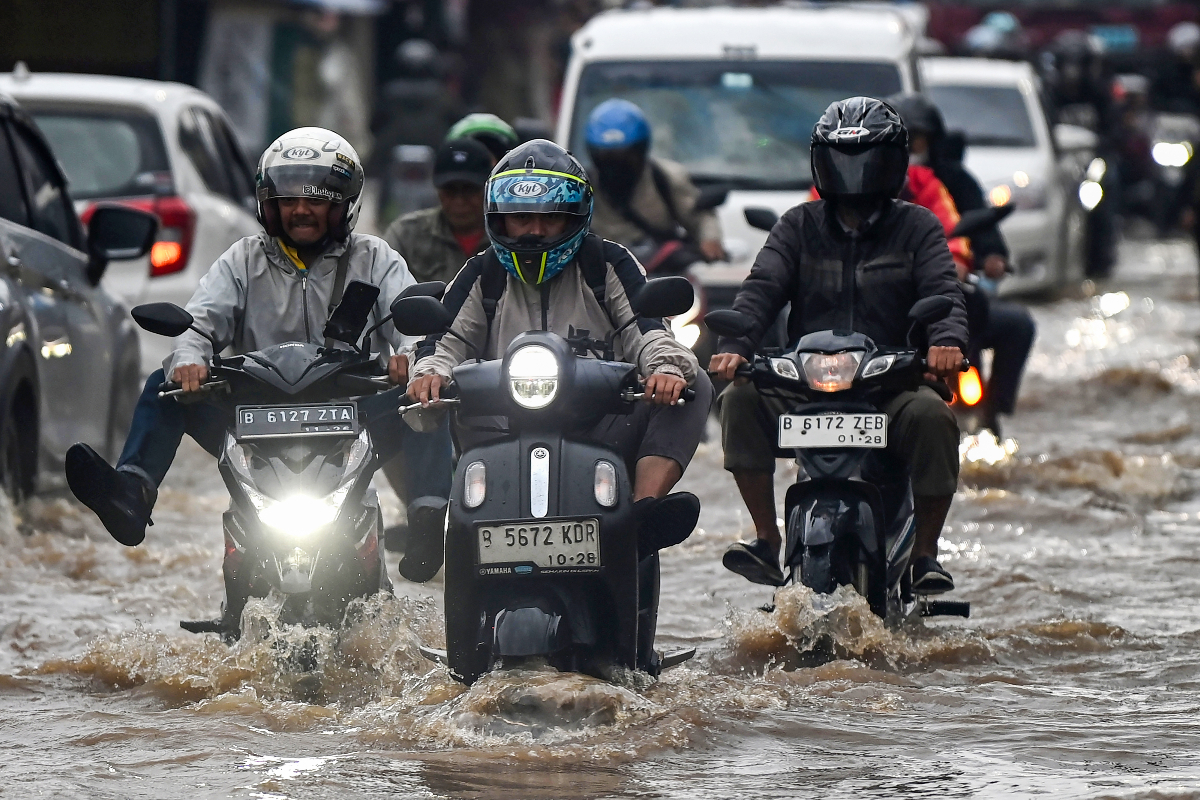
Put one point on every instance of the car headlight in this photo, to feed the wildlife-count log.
(832, 372)
(1171, 154)
(533, 376)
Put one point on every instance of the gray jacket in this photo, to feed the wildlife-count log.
(647, 343)
(254, 297)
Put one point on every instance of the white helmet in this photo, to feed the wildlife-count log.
(310, 162)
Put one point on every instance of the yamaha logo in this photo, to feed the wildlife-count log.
(528, 189)
(848, 133)
(300, 154)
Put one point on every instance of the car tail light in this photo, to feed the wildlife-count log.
(176, 228)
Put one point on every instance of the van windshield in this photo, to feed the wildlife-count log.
(746, 123)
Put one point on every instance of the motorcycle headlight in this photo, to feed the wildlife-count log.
(878, 366)
(533, 376)
(831, 372)
(785, 368)
(1171, 154)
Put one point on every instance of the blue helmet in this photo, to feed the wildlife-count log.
(537, 177)
(615, 124)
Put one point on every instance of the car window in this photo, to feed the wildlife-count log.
(12, 199)
(106, 153)
(745, 123)
(989, 116)
(240, 181)
(198, 140)
(49, 207)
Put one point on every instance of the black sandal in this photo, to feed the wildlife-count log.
(929, 577)
(756, 562)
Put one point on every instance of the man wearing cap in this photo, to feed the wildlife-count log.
(436, 242)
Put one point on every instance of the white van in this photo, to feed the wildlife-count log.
(733, 94)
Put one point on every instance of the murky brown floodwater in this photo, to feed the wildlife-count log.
(1077, 675)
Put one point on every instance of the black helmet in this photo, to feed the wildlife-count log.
(919, 114)
(859, 147)
(537, 177)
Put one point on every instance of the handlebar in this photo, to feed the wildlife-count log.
(686, 396)
(171, 389)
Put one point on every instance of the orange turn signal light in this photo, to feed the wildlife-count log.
(970, 387)
(164, 254)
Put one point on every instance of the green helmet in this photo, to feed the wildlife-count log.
(489, 130)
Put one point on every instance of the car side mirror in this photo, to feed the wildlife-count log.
(116, 233)
(762, 218)
(664, 297)
(349, 319)
(434, 289)
(727, 322)
(420, 316)
(165, 319)
(929, 310)
(710, 197)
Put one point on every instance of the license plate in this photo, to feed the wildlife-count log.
(832, 430)
(335, 419)
(551, 545)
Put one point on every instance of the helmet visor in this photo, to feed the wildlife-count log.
(859, 170)
(307, 180)
(538, 192)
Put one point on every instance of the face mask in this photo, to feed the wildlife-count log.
(617, 177)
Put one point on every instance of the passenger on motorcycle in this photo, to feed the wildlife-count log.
(643, 202)
(547, 271)
(274, 287)
(857, 260)
(1002, 326)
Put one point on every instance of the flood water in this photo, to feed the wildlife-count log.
(1076, 676)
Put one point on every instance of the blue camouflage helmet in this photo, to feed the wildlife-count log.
(617, 123)
(538, 177)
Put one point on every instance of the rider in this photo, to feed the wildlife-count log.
(273, 287)
(856, 260)
(646, 203)
(1002, 326)
(546, 271)
(489, 130)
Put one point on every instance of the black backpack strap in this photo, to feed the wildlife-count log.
(493, 280)
(594, 267)
(339, 283)
(663, 184)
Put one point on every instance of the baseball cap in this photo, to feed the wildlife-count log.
(464, 160)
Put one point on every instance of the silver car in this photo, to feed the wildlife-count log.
(69, 365)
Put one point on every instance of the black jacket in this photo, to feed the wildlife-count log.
(835, 282)
(968, 196)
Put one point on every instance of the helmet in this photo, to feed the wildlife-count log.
(919, 114)
(489, 130)
(310, 162)
(617, 124)
(859, 147)
(537, 177)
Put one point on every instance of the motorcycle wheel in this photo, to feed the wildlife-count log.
(816, 568)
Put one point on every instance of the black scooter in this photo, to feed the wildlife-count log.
(849, 516)
(545, 558)
(303, 521)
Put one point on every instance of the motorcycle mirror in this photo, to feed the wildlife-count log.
(349, 319)
(928, 310)
(165, 319)
(420, 316)
(762, 218)
(727, 322)
(116, 233)
(710, 197)
(434, 289)
(974, 222)
(664, 297)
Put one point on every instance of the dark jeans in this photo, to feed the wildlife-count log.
(159, 424)
(1008, 333)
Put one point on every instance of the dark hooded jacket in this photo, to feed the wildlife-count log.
(835, 281)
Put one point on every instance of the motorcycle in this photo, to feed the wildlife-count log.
(849, 516)
(546, 558)
(303, 521)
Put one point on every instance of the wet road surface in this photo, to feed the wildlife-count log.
(1077, 675)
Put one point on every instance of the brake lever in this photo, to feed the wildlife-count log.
(205, 388)
(630, 396)
(443, 401)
